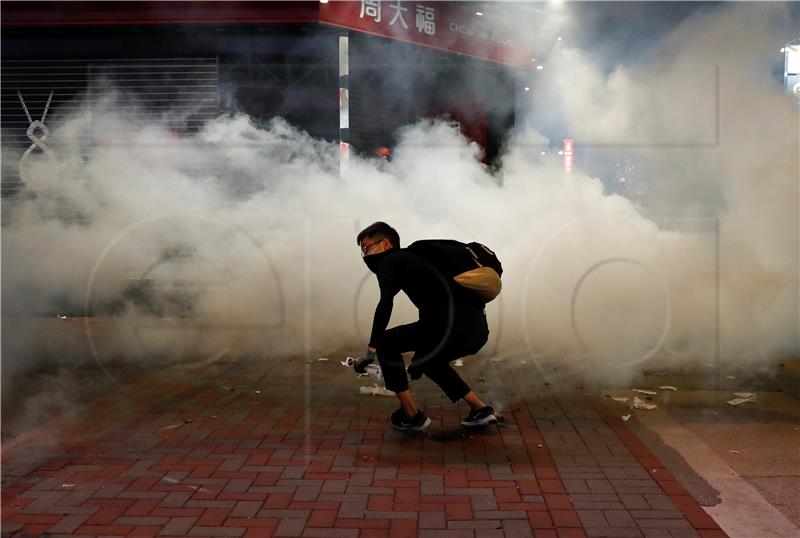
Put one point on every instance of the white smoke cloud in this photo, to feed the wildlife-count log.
(249, 232)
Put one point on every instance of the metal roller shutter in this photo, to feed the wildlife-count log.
(187, 88)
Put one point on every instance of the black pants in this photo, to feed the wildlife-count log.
(434, 347)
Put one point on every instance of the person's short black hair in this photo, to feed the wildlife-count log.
(379, 230)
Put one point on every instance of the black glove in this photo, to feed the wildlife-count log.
(362, 362)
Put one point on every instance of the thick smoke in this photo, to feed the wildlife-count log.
(241, 240)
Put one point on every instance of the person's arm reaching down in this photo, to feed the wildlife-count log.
(390, 286)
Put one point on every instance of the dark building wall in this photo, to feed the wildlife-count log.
(393, 84)
(287, 70)
(201, 71)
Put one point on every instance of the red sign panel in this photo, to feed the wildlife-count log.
(445, 26)
(569, 154)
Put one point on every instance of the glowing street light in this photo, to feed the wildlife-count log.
(527, 88)
(479, 13)
(539, 67)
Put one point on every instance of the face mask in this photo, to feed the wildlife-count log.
(373, 260)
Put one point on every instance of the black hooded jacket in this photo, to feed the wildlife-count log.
(439, 301)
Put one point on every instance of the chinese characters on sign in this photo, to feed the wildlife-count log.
(569, 147)
(371, 9)
(425, 19)
(448, 26)
(426, 22)
(398, 14)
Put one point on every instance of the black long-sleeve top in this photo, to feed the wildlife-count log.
(433, 294)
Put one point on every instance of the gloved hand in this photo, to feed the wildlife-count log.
(414, 371)
(362, 362)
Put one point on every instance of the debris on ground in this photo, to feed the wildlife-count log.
(495, 359)
(644, 391)
(734, 451)
(668, 387)
(620, 399)
(171, 427)
(741, 397)
(731, 376)
(641, 404)
(258, 392)
(374, 371)
(66, 485)
(322, 359)
(458, 363)
(626, 417)
(375, 390)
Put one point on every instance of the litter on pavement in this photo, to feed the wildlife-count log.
(667, 387)
(375, 390)
(643, 391)
(741, 397)
(641, 404)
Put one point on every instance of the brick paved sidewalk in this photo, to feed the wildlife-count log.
(268, 448)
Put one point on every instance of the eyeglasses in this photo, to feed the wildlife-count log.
(365, 248)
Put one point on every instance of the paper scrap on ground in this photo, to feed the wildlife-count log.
(667, 387)
(458, 363)
(641, 404)
(742, 397)
(620, 399)
(626, 417)
(643, 391)
(322, 359)
(375, 390)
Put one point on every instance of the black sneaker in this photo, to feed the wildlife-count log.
(481, 417)
(417, 424)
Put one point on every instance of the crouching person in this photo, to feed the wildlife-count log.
(452, 324)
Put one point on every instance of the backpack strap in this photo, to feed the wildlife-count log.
(475, 257)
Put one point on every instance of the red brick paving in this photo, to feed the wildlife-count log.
(183, 452)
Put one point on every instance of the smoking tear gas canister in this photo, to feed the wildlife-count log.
(373, 370)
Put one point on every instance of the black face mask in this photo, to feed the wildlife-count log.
(373, 260)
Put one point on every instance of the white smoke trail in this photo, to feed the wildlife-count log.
(250, 232)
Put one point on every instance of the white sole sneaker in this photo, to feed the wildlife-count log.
(413, 427)
(422, 427)
(491, 418)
